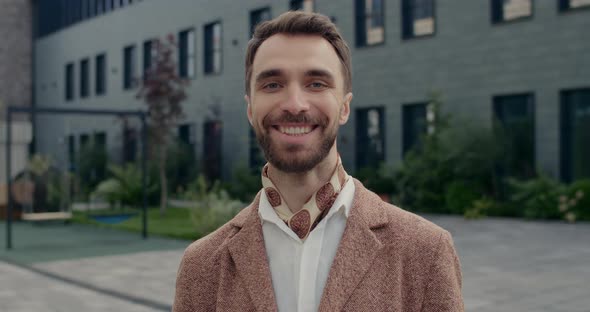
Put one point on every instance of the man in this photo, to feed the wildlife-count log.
(314, 238)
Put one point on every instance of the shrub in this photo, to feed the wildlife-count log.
(214, 208)
(574, 203)
(125, 186)
(479, 208)
(459, 196)
(538, 197)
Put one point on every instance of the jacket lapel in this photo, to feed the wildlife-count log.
(249, 255)
(358, 248)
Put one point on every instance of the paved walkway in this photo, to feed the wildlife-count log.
(508, 265)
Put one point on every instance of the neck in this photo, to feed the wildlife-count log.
(297, 188)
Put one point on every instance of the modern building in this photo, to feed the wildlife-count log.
(16, 55)
(522, 62)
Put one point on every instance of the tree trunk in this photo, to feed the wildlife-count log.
(163, 181)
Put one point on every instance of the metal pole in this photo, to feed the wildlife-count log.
(8, 182)
(143, 174)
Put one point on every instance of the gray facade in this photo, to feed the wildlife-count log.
(468, 60)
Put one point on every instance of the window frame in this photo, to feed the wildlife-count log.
(100, 84)
(564, 6)
(406, 147)
(212, 50)
(84, 78)
(70, 85)
(405, 34)
(565, 134)
(190, 57)
(497, 17)
(361, 30)
(382, 130)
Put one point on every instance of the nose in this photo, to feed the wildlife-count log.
(295, 101)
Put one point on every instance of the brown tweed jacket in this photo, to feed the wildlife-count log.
(388, 260)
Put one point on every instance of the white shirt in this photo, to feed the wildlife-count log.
(299, 269)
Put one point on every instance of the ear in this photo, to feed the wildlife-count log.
(248, 109)
(345, 110)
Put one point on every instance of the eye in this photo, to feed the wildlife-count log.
(271, 86)
(317, 85)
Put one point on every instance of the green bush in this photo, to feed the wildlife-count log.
(459, 196)
(379, 180)
(214, 206)
(125, 186)
(479, 208)
(538, 197)
(244, 185)
(574, 203)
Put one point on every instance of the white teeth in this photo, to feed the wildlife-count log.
(295, 130)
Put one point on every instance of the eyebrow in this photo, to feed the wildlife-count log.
(316, 73)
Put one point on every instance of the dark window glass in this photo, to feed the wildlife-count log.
(257, 17)
(417, 18)
(303, 5)
(129, 144)
(414, 125)
(69, 82)
(212, 38)
(212, 149)
(101, 71)
(129, 67)
(72, 152)
(508, 10)
(148, 53)
(370, 137)
(370, 28)
(575, 134)
(186, 53)
(84, 78)
(516, 121)
(566, 5)
(256, 155)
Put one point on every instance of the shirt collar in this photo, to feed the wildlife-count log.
(342, 203)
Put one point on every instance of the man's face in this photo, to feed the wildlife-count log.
(297, 100)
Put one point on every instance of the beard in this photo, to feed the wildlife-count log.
(294, 158)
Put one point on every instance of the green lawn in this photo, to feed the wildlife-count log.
(176, 223)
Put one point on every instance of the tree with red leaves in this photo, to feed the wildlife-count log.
(163, 92)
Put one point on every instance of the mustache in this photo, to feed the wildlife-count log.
(287, 117)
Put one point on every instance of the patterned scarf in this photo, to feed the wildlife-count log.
(316, 207)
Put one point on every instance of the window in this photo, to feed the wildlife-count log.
(575, 134)
(257, 159)
(129, 65)
(212, 135)
(414, 125)
(370, 137)
(186, 53)
(101, 71)
(84, 78)
(303, 5)
(148, 55)
(509, 10)
(129, 144)
(515, 117)
(257, 17)
(566, 5)
(417, 18)
(369, 22)
(69, 82)
(212, 48)
(71, 153)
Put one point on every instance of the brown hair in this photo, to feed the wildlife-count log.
(300, 23)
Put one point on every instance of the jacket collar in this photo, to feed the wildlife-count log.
(358, 248)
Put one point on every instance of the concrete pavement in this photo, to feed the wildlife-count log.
(508, 265)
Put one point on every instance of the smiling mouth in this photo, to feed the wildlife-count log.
(295, 130)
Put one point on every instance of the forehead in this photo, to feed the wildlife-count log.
(293, 53)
